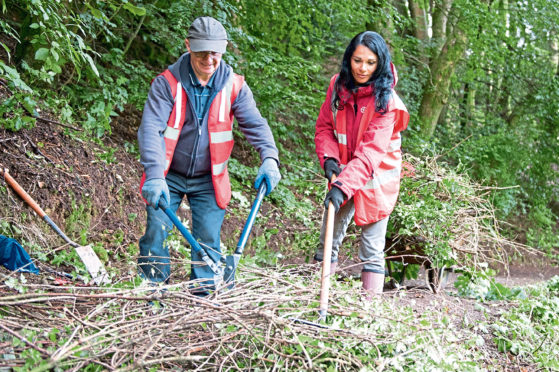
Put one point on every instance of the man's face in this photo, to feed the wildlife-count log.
(204, 64)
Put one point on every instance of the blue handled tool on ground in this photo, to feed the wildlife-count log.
(86, 253)
(231, 262)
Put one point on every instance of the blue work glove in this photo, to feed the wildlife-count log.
(154, 189)
(268, 171)
(331, 167)
(336, 196)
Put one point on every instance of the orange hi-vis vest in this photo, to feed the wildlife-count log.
(220, 128)
(376, 200)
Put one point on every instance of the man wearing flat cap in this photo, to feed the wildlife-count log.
(185, 140)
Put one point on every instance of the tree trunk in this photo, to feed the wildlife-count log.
(420, 20)
(383, 26)
(401, 7)
(436, 91)
(440, 17)
(470, 109)
(420, 30)
(554, 47)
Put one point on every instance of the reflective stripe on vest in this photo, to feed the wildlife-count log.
(220, 130)
(376, 199)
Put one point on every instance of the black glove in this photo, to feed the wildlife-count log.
(331, 167)
(336, 196)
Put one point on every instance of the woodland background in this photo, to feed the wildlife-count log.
(480, 79)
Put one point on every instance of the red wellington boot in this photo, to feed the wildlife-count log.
(373, 283)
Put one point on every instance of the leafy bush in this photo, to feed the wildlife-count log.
(441, 214)
(519, 170)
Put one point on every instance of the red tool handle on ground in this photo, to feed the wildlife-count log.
(21, 192)
(326, 258)
(86, 253)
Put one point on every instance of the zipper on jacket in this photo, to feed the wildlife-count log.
(190, 171)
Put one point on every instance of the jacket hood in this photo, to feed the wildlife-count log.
(180, 71)
(394, 74)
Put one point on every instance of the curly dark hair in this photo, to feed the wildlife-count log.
(381, 79)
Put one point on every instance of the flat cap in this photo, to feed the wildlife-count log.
(207, 34)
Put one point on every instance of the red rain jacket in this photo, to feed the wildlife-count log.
(367, 145)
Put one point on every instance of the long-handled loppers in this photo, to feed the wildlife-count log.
(86, 253)
(231, 262)
(217, 268)
(224, 270)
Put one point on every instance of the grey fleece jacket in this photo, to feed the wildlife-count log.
(192, 154)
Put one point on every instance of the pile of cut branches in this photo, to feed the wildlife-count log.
(445, 218)
(264, 322)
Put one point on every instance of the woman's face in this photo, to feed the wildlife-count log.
(363, 64)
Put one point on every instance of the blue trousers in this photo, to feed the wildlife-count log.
(207, 218)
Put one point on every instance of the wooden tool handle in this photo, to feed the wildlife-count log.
(326, 258)
(21, 192)
(326, 261)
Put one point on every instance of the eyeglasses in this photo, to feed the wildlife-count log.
(205, 55)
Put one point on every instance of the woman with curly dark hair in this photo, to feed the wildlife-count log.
(358, 140)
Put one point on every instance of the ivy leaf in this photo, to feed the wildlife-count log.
(41, 54)
(136, 10)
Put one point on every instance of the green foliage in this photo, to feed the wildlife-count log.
(14, 78)
(479, 282)
(79, 220)
(529, 331)
(300, 28)
(512, 161)
(54, 35)
(107, 154)
(505, 97)
(432, 202)
(17, 283)
(263, 256)
(18, 110)
(542, 232)
(67, 257)
(13, 116)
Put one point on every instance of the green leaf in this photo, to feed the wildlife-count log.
(41, 54)
(29, 104)
(6, 49)
(91, 63)
(96, 13)
(136, 10)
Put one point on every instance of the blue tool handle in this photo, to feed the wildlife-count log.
(184, 231)
(251, 217)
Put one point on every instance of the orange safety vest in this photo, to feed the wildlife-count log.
(377, 198)
(220, 128)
